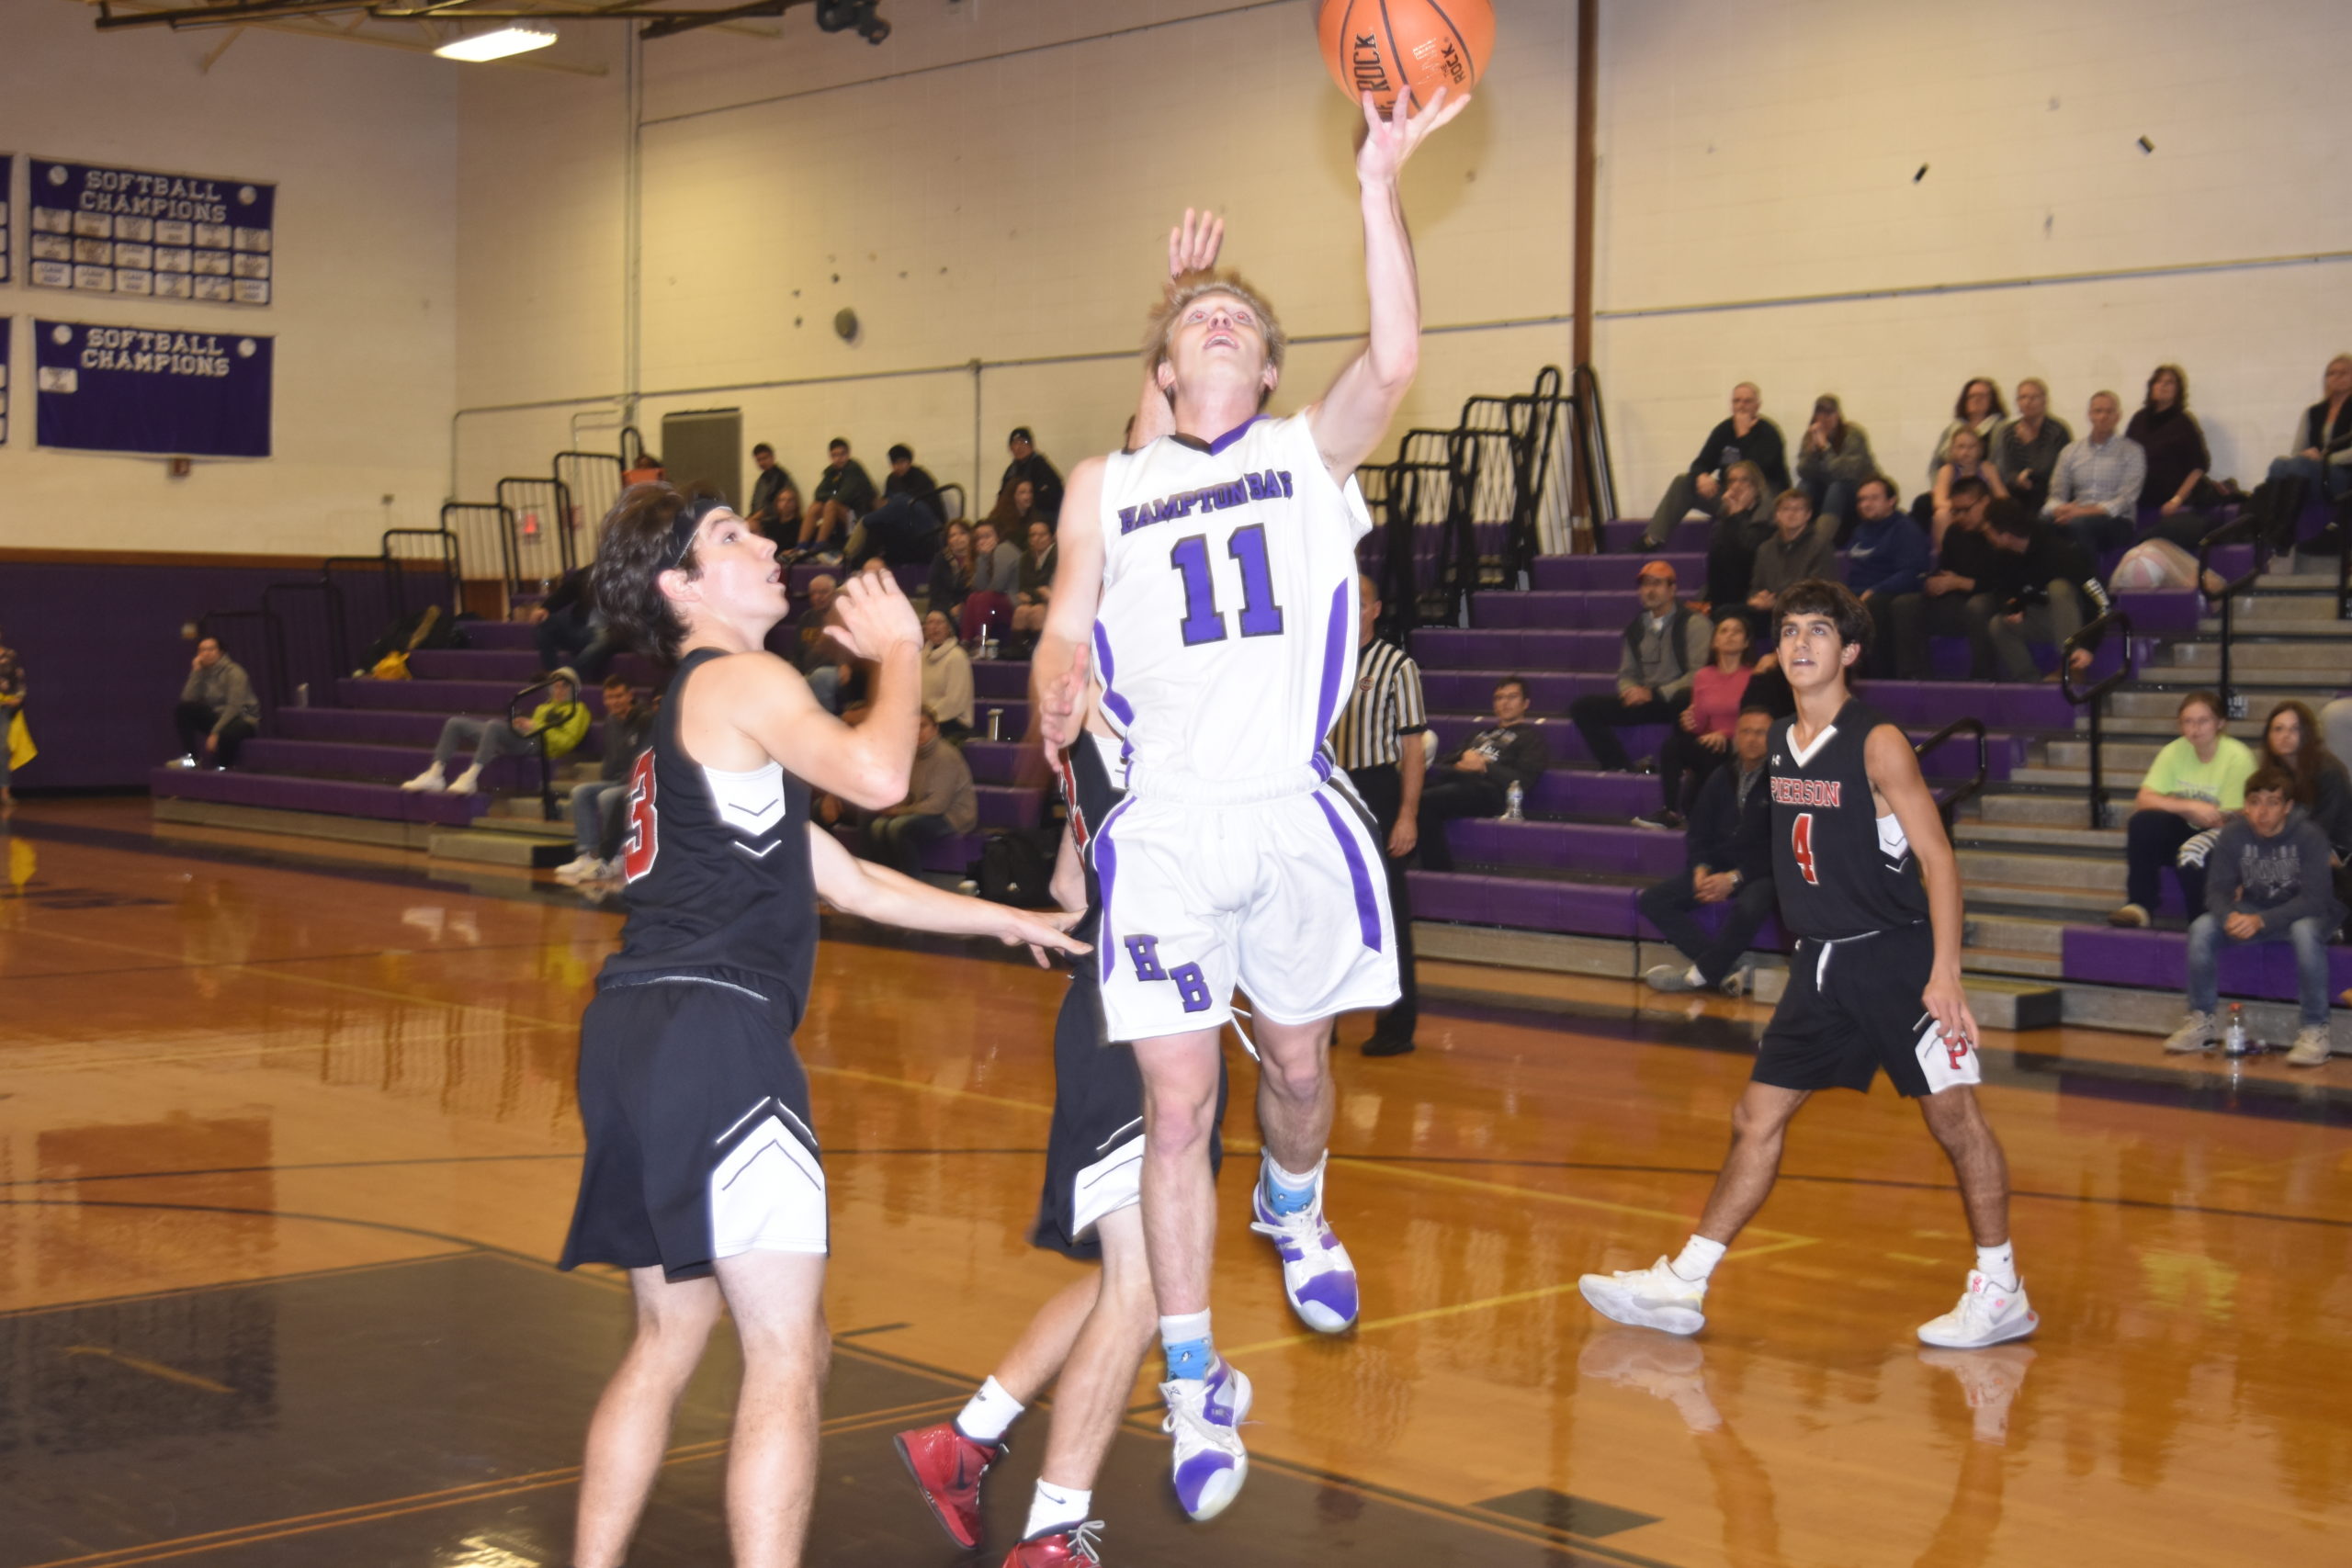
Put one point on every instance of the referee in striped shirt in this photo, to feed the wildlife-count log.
(1378, 741)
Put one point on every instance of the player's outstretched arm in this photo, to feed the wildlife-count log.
(1355, 413)
(1894, 774)
(867, 764)
(876, 893)
(1058, 668)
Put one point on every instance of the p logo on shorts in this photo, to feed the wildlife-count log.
(1191, 984)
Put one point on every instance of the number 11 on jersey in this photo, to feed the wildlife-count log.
(1203, 622)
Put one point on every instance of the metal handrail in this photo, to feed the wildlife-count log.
(2096, 698)
(338, 637)
(2245, 527)
(1592, 431)
(501, 522)
(963, 503)
(539, 743)
(2343, 557)
(451, 565)
(1952, 802)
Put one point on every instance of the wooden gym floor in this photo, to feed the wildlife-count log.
(287, 1143)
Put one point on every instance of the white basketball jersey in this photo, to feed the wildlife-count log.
(1228, 628)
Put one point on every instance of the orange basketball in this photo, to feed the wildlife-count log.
(1413, 47)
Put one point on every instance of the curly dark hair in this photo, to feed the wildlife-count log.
(1821, 596)
(631, 555)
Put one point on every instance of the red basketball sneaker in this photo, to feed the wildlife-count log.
(948, 1466)
(1060, 1548)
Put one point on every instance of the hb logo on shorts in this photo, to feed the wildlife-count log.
(1143, 952)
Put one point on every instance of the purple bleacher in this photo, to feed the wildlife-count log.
(1548, 692)
(1601, 849)
(2163, 612)
(1006, 806)
(1768, 937)
(382, 764)
(1523, 902)
(515, 665)
(992, 761)
(337, 797)
(1574, 792)
(1591, 574)
(1560, 738)
(999, 678)
(1624, 536)
(375, 727)
(475, 697)
(1536, 609)
(1956, 758)
(1448, 648)
(2159, 961)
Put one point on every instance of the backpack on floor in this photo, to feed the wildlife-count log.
(1014, 870)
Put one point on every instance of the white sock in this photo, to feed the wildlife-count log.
(1052, 1505)
(988, 1415)
(1698, 1259)
(1998, 1264)
(1281, 1181)
(1185, 1338)
(1693, 978)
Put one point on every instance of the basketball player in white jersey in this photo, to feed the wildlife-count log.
(1207, 581)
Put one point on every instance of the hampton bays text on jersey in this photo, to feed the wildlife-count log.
(1273, 484)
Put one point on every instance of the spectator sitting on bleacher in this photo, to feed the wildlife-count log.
(940, 802)
(2195, 783)
(1475, 779)
(1886, 559)
(821, 662)
(1035, 586)
(951, 570)
(569, 630)
(1801, 546)
(768, 492)
(946, 676)
(1746, 436)
(2323, 450)
(2177, 459)
(2094, 493)
(1032, 466)
(217, 711)
(907, 478)
(1730, 849)
(2293, 742)
(596, 804)
(2041, 589)
(1964, 459)
(1833, 459)
(1964, 559)
(1702, 734)
(556, 726)
(1742, 525)
(2026, 449)
(1664, 643)
(902, 531)
(845, 495)
(1978, 411)
(12, 708)
(2268, 882)
(996, 578)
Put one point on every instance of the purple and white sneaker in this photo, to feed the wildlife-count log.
(1204, 1417)
(1317, 1273)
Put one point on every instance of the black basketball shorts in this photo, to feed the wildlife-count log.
(1852, 1008)
(1094, 1151)
(699, 1141)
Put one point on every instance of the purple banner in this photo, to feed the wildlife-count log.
(104, 389)
(106, 231)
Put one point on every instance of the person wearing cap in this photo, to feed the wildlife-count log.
(1028, 463)
(1833, 459)
(2038, 590)
(1666, 644)
(1746, 436)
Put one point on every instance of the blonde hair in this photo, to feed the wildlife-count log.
(1181, 292)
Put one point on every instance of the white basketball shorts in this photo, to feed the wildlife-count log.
(1287, 897)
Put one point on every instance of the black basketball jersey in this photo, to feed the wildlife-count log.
(1089, 792)
(1840, 869)
(719, 882)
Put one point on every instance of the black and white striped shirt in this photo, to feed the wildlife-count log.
(1384, 707)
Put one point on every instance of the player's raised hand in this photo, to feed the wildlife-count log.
(875, 614)
(1193, 244)
(1046, 931)
(1947, 1002)
(1061, 706)
(1388, 142)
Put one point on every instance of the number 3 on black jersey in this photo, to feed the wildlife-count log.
(1800, 846)
(637, 859)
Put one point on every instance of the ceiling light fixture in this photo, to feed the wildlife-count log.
(516, 37)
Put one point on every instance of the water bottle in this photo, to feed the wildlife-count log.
(988, 640)
(996, 723)
(2234, 1040)
(1512, 798)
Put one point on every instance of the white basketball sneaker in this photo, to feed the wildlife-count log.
(428, 782)
(1317, 1275)
(1205, 1415)
(467, 782)
(1987, 1313)
(1655, 1297)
